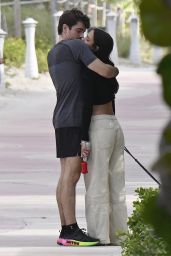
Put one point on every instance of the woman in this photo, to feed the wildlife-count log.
(105, 200)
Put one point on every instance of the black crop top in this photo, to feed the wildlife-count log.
(97, 90)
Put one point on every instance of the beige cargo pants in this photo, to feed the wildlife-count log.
(105, 200)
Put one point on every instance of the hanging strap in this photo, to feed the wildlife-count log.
(143, 167)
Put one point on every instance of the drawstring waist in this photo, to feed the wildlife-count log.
(99, 122)
(103, 117)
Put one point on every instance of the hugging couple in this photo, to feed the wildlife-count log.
(85, 81)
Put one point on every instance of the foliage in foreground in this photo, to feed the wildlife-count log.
(156, 19)
(141, 239)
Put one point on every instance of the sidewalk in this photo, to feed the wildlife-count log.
(52, 251)
(29, 171)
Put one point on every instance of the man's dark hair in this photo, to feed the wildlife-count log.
(71, 17)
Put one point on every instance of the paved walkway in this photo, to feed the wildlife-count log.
(29, 220)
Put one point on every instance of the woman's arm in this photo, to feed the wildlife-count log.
(103, 69)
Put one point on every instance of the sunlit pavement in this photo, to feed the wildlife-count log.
(29, 221)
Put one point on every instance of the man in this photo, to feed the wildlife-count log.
(64, 61)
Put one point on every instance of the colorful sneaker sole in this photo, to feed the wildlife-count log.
(68, 242)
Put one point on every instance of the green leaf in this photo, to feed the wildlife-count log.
(141, 238)
(159, 218)
(156, 21)
(167, 135)
(163, 164)
(164, 70)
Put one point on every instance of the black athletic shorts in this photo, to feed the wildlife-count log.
(68, 141)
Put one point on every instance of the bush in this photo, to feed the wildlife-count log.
(146, 50)
(14, 52)
(42, 60)
(141, 239)
(42, 48)
(40, 12)
(123, 44)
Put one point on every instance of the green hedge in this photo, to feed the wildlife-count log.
(14, 53)
(141, 239)
(39, 12)
(123, 44)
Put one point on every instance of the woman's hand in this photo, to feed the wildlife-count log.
(85, 149)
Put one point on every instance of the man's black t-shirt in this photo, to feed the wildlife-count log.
(65, 60)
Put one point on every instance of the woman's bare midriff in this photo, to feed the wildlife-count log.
(105, 109)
